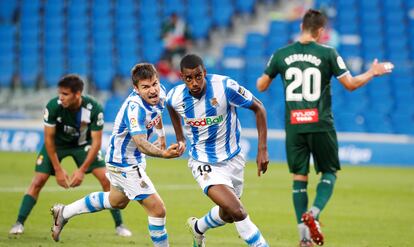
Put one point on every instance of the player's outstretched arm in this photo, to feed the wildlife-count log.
(61, 175)
(377, 69)
(262, 158)
(150, 149)
(263, 83)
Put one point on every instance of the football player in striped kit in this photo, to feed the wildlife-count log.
(138, 118)
(207, 105)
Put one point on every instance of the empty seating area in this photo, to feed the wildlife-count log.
(41, 40)
(99, 39)
(367, 29)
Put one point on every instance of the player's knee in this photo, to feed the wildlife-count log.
(119, 204)
(238, 213)
(159, 211)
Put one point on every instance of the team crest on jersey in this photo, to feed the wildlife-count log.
(214, 103)
(89, 106)
(59, 119)
(100, 120)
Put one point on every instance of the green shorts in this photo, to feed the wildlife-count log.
(322, 145)
(78, 154)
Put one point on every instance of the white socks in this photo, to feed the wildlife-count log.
(157, 231)
(91, 203)
(210, 220)
(250, 233)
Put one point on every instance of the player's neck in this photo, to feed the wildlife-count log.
(306, 38)
(77, 106)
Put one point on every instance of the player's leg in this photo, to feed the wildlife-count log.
(98, 169)
(154, 206)
(91, 203)
(324, 146)
(298, 156)
(43, 170)
(325, 152)
(232, 208)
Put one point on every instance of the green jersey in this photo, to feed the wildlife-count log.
(73, 129)
(306, 71)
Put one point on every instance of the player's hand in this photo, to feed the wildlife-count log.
(378, 69)
(160, 143)
(77, 178)
(171, 152)
(262, 161)
(181, 147)
(62, 178)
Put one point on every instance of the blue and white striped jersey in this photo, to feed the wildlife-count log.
(135, 117)
(211, 123)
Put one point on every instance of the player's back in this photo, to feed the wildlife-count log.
(306, 71)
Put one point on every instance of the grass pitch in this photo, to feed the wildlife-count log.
(371, 206)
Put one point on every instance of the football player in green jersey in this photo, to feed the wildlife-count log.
(306, 68)
(73, 126)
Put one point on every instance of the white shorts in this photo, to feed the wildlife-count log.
(228, 172)
(133, 181)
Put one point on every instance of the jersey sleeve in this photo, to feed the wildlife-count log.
(271, 66)
(135, 119)
(238, 95)
(97, 121)
(50, 113)
(337, 63)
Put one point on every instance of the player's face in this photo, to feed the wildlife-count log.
(195, 80)
(149, 90)
(68, 98)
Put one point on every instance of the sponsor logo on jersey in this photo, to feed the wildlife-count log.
(133, 122)
(46, 114)
(153, 122)
(242, 91)
(304, 116)
(201, 122)
(214, 103)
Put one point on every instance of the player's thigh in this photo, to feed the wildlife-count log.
(132, 181)
(79, 155)
(325, 151)
(43, 163)
(208, 175)
(298, 153)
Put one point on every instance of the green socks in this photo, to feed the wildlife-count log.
(27, 205)
(324, 190)
(300, 198)
(116, 214)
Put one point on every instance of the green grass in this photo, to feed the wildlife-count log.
(371, 206)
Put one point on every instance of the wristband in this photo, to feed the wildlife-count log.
(160, 132)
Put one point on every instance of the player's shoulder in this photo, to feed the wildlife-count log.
(90, 103)
(175, 91)
(53, 104)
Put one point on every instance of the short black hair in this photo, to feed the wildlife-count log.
(71, 81)
(143, 71)
(191, 61)
(313, 20)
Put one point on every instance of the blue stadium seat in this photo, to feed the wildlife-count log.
(7, 11)
(245, 6)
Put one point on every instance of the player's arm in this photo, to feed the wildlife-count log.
(263, 82)
(262, 158)
(377, 69)
(62, 178)
(159, 130)
(79, 174)
(146, 147)
(178, 128)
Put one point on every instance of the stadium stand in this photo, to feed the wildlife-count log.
(102, 39)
